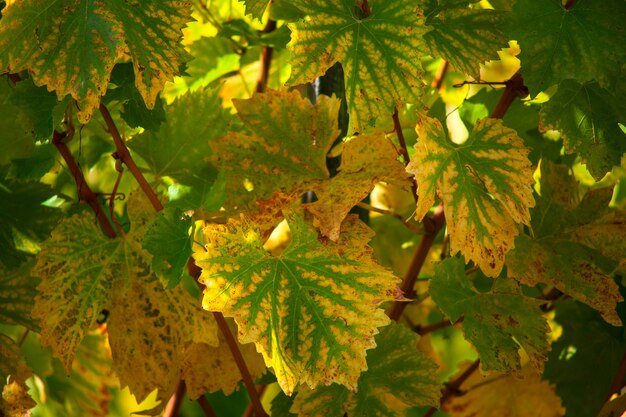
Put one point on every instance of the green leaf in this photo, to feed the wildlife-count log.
(583, 43)
(497, 323)
(380, 54)
(281, 404)
(169, 242)
(584, 358)
(200, 191)
(21, 214)
(587, 117)
(311, 311)
(256, 7)
(180, 147)
(484, 184)
(134, 110)
(72, 46)
(17, 295)
(464, 36)
(576, 245)
(399, 376)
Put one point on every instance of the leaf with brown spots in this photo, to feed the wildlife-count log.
(497, 395)
(312, 310)
(577, 243)
(71, 46)
(497, 323)
(380, 54)
(484, 183)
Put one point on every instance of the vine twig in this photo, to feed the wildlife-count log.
(266, 59)
(403, 148)
(514, 88)
(440, 76)
(122, 153)
(453, 387)
(397, 308)
(408, 225)
(248, 412)
(84, 192)
(206, 407)
(175, 402)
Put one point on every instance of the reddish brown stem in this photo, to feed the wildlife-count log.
(123, 155)
(206, 407)
(397, 308)
(249, 411)
(365, 6)
(618, 379)
(429, 328)
(441, 75)
(569, 4)
(84, 192)
(514, 88)
(173, 406)
(453, 387)
(255, 399)
(403, 148)
(266, 60)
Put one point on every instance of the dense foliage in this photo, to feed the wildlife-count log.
(312, 208)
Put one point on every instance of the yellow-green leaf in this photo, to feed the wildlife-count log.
(380, 53)
(208, 368)
(71, 46)
(399, 376)
(312, 310)
(484, 184)
(256, 7)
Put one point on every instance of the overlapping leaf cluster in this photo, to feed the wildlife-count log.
(258, 190)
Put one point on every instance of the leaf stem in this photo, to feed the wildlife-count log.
(123, 155)
(452, 388)
(440, 76)
(397, 308)
(84, 192)
(514, 88)
(266, 59)
(408, 225)
(176, 400)
(255, 399)
(429, 328)
(618, 379)
(248, 412)
(206, 407)
(403, 148)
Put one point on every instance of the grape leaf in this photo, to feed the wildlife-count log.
(583, 43)
(17, 295)
(584, 358)
(72, 46)
(21, 213)
(281, 404)
(15, 401)
(365, 161)
(178, 150)
(256, 7)
(289, 142)
(484, 183)
(148, 350)
(576, 244)
(398, 376)
(9, 358)
(77, 267)
(202, 363)
(587, 117)
(497, 323)
(497, 395)
(464, 36)
(380, 54)
(169, 242)
(311, 311)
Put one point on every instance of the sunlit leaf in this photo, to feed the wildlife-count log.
(72, 46)
(497, 395)
(587, 117)
(380, 54)
(484, 184)
(15, 401)
(577, 244)
(312, 310)
(583, 43)
(398, 376)
(464, 36)
(497, 323)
